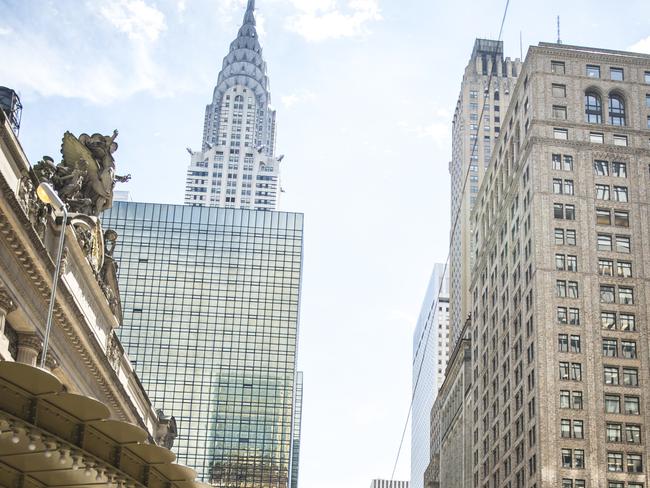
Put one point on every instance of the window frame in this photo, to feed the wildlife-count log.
(558, 67)
(605, 267)
(612, 403)
(616, 110)
(592, 71)
(593, 107)
(618, 71)
(559, 112)
(601, 167)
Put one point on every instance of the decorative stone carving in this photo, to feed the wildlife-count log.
(25, 192)
(64, 261)
(84, 180)
(90, 238)
(110, 241)
(51, 361)
(108, 274)
(114, 351)
(167, 430)
(93, 241)
(7, 304)
(86, 177)
(35, 210)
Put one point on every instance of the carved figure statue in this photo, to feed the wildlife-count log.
(45, 169)
(110, 240)
(84, 180)
(71, 183)
(96, 152)
(86, 177)
(25, 192)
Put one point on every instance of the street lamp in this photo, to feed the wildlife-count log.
(47, 195)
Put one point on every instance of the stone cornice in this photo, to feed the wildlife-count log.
(587, 54)
(90, 351)
(590, 146)
(597, 128)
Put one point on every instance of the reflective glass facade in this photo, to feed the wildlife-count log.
(297, 429)
(430, 355)
(211, 301)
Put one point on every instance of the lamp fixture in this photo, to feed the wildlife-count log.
(63, 456)
(50, 447)
(33, 438)
(15, 435)
(47, 195)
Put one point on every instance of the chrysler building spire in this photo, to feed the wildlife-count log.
(239, 129)
(249, 17)
(243, 66)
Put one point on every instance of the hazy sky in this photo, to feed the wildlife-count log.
(365, 91)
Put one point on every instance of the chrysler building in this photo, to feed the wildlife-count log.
(236, 166)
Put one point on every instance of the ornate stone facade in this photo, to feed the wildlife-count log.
(84, 352)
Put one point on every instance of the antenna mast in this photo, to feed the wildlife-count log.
(559, 40)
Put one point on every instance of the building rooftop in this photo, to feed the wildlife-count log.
(593, 50)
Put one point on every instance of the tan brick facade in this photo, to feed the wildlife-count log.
(560, 343)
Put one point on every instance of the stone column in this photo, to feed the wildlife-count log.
(29, 346)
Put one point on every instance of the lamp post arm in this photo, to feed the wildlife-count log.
(55, 281)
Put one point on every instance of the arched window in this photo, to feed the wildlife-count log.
(616, 110)
(239, 102)
(593, 108)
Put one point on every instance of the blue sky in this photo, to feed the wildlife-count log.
(365, 90)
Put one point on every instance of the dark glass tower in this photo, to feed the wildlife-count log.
(211, 301)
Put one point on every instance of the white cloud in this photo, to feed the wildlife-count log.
(101, 78)
(319, 20)
(642, 46)
(229, 11)
(439, 132)
(135, 18)
(5, 31)
(437, 128)
(313, 5)
(52, 73)
(295, 98)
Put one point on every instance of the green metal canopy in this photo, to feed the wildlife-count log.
(51, 438)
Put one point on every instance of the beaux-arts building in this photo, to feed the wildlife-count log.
(84, 418)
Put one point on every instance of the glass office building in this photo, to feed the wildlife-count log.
(211, 301)
(297, 421)
(430, 356)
